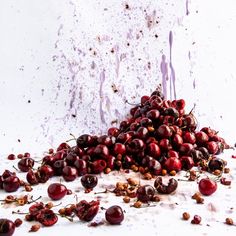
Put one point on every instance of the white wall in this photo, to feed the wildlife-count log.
(57, 55)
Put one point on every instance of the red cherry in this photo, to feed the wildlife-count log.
(47, 217)
(7, 227)
(11, 184)
(56, 191)
(69, 173)
(25, 164)
(114, 215)
(153, 150)
(189, 137)
(164, 131)
(173, 163)
(212, 147)
(119, 148)
(207, 186)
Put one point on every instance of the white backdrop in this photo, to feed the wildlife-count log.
(60, 59)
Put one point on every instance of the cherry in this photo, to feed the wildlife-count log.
(177, 140)
(47, 217)
(180, 104)
(164, 131)
(142, 133)
(63, 146)
(35, 209)
(113, 131)
(81, 166)
(212, 147)
(216, 164)
(11, 184)
(187, 162)
(86, 211)
(25, 164)
(173, 163)
(189, 137)
(207, 186)
(201, 137)
(153, 114)
(7, 227)
(11, 157)
(89, 181)
(44, 173)
(145, 193)
(114, 215)
(56, 191)
(171, 111)
(119, 148)
(186, 148)
(69, 173)
(32, 177)
(70, 158)
(153, 150)
(136, 145)
(85, 140)
(98, 166)
(165, 144)
(101, 151)
(172, 153)
(105, 140)
(58, 167)
(7, 173)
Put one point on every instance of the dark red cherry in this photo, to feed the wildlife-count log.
(145, 193)
(63, 146)
(11, 184)
(7, 173)
(58, 167)
(153, 150)
(212, 147)
(98, 166)
(119, 148)
(57, 191)
(186, 148)
(105, 140)
(81, 166)
(36, 208)
(25, 164)
(44, 173)
(189, 137)
(114, 215)
(86, 211)
(207, 186)
(164, 131)
(113, 131)
(71, 158)
(32, 177)
(69, 173)
(153, 114)
(173, 163)
(85, 140)
(7, 227)
(47, 217)
(201, 137)
(101, 151)
(89, 181)
(165, 144)
(187, 162)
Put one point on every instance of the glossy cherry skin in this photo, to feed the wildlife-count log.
(153, 150)
(187, 162)
(119, 148)
(164, 131)
(25, 164)
(58, 167)
(32, 177)
(145, 193)
(69, 173)
(47, 217)
(207, 186)
(114, 215)
(173, 163)
(44, 173)
(81, 166)
(98, 166)
(89, 181)
(7, 227)
(11, 184)
(57, 191)
(212, 147)
(86, 211)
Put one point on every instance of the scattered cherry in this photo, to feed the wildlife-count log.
(114, 215)
(56, 191)
(7, 227)
(207, 186)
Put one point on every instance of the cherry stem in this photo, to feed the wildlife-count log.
(34, 200)
(15, 168)
(105, 191)
(19, 213)
(132, 104)
(67, 217)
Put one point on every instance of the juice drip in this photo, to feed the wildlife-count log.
(172, 71)
(164, 71)
(102, 79)
(187, 9)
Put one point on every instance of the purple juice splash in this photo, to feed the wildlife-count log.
(172, 71)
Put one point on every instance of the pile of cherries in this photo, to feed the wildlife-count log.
(157, 137)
